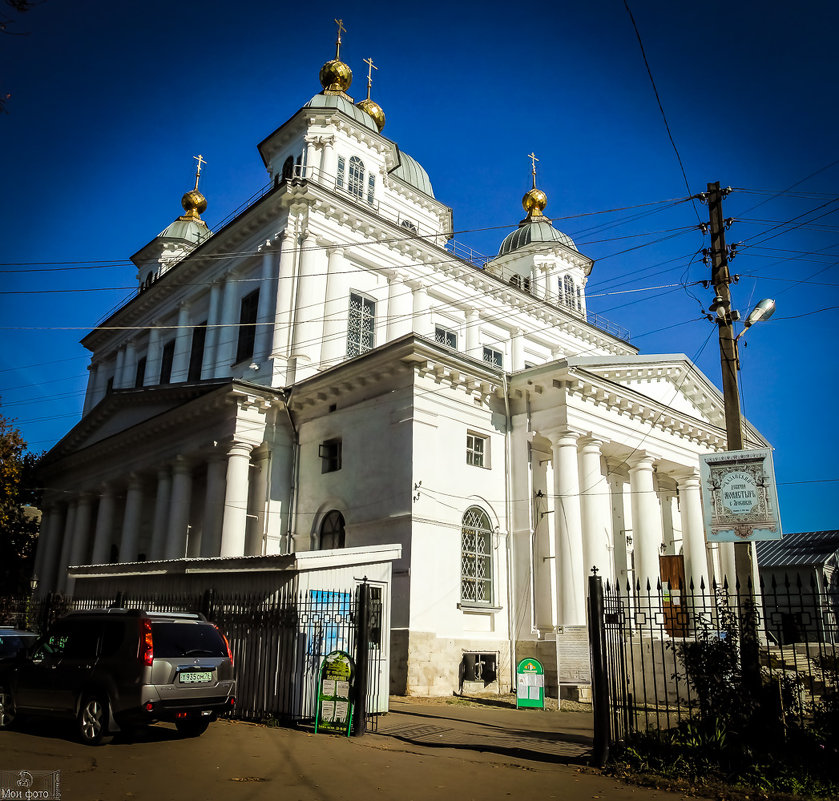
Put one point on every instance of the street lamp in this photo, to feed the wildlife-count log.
(763, 311)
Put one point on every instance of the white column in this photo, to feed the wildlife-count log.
(517, 350)
(693, 532)
(104, 526)
(255, 531)
(308, 316)
(51, 549)
(208, 362)
(264, 312)
(160, 525)
(400, 308)
(179, 509)
(646, 521)
(129, 367)
(100, 386)
(570, 572)
(228, 332)
(66, 545)
(152, 376)
(621, 529)
(131, 520)
(336, 309)
(473, 334)
(422, 310)
(311, 158)
(183, 340)
(594, 507)
(329, 161)
(81, 535)
(281, 343)
(213, 506)
(235, 518)
(92, 369)
(544, 556)
(727, 565)
(120, 367)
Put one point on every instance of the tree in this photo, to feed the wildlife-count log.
(19, 519)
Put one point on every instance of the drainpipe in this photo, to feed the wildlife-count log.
(295, 467)
(511, 582)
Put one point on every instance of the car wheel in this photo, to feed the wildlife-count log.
(92, 722)
(7, 710)
(192, 727)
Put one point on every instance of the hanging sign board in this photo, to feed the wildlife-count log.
(739, 498)
(335, 681)
(530, 684)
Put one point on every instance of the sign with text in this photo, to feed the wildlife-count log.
(739, 498)
(335, 680)
(530, 684)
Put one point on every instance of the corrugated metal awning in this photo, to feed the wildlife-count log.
(805, 548)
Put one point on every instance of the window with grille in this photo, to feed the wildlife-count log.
(371, 188)
(247, 326)
(288, 168)
(360, 325)
(342, 167)
(332, 531)
(570, 293)
(476, 558)
(355, 180)
(493, 356)
(445, 337)
(477, 450)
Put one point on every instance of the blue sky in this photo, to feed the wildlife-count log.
(110, 102)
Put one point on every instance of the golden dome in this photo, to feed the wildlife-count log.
(534, 202)
(372, 108)
(335, 76)
(194, 204)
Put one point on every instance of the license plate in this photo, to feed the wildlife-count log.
(196, 677)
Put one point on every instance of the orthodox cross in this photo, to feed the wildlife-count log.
(341, 29)
(533, 160)
(370, 67)
(201, 160)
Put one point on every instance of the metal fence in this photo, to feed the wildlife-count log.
(278, 641)
(640, 637)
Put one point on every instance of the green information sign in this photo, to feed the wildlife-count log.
(335, 680)
(530, 684)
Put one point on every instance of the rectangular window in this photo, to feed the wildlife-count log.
(445, 337)
(477, 450)
(330, 455)
(361, 325)
(371, 188)
(109, 386)
(166, 360)
(247, 326)
(196, 354)
(140, 377)
(493, 356)
(342, 166)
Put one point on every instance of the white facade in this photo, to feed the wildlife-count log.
(325, 372)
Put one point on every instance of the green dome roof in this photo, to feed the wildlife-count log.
(342, 104)
(190, 231)
(529, 233)
(412, 172)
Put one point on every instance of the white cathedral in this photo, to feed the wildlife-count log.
(325, 373)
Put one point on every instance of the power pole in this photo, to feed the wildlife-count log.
(721, 280)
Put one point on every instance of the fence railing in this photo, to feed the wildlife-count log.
(278, 641)
(641, 638)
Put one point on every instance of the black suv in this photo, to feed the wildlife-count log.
(116, 669)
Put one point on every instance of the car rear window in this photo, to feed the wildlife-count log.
(187, 639)
(12, 644)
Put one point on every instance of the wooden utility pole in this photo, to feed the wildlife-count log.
(721, 280)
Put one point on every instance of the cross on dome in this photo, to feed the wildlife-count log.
(201, 160)
(370, 67)
(341, 28)
(533, 160)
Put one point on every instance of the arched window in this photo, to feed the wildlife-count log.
(332, 531)
(288, 168)
(355, 182)
(579, 299)
(476, 557)
(570, 291)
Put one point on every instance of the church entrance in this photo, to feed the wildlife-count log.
(672, 571)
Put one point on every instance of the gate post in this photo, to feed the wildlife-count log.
(362, 659)
(599, 685)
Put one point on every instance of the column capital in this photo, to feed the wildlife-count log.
(688, 477)
(560, 435)
(238, 448)
(590, 443)
(641, 461)
(180, 464)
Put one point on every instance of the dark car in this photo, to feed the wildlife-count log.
(116, 669)
(14, 642)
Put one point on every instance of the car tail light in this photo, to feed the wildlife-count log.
(232, 701)
(181, 715)
(147, 643)
(226, 643)
(149, 706)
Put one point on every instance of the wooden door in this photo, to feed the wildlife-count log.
(672, 570)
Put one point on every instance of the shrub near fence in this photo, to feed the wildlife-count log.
(277, 641)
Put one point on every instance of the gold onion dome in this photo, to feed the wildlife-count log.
(194, 204)
(372, 108)
(335, 76)
(534, 202)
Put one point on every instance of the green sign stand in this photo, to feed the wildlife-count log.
(335, 680)
(530, 684)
